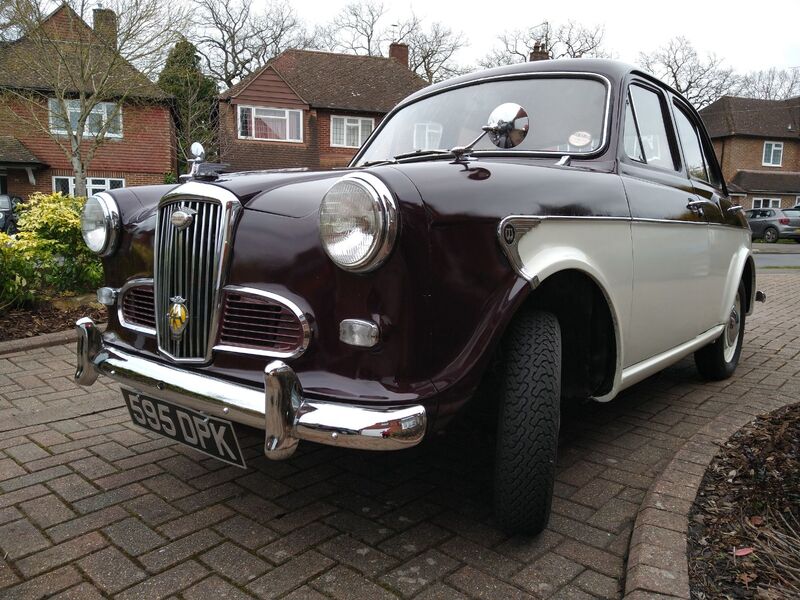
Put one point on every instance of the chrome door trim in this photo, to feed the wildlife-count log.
(132, 283)
(304, 319)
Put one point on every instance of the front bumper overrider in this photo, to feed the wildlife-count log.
(280, 408)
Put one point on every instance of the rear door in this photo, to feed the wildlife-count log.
(793, 214)
(727, 234)
(670, 235)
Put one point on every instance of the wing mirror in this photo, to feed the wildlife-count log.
(508, 125)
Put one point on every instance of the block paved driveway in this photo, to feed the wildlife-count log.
(91, 506)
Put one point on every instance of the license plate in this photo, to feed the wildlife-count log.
(210, 435)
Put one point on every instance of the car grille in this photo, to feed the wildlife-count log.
(261, 323)
(187, 269)
(137, 307)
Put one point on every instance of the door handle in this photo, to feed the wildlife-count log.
(697, 205)
(735, 208)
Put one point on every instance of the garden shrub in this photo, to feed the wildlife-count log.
(48, 254)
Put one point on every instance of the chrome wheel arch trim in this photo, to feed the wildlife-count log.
(304, 318)
(132, 283)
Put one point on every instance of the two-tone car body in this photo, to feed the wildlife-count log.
(584, 236)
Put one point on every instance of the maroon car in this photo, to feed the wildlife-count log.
(564, 221)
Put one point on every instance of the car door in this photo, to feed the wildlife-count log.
(669, 233)
(727, 235)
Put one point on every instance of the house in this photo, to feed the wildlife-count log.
(139, 145)
(310, 109)
(758, 146)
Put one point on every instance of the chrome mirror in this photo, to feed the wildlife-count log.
(508, 125)
(197, 150)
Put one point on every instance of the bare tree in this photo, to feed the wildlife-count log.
(702, 80)
(771, 84)
(430, 52)
(235, 39)
(70, 81)
(357, 29)
(570, 40)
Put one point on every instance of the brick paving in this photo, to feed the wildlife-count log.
(91, 506)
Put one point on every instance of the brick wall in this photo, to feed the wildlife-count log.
(144, 154)
(736, 153)
(331, 156)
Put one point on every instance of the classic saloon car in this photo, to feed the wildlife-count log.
(582, 239)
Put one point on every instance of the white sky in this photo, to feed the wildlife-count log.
(748, 38)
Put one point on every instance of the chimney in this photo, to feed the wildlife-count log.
(539, 53)
(104, 21)
(399, 52)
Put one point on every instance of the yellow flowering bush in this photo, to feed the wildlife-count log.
(48, 254)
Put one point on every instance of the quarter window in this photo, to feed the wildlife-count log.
(350, 132)
(105, 118)
(766, 202)
(648, 114)
(94, 185)
(692, 150)
(276, 124)
(773, 154)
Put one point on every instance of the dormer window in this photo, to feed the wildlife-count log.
(773, 154)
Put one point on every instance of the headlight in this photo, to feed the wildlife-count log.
(358, 222)
(100, 224)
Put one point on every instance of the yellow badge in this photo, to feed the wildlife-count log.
(178, 316)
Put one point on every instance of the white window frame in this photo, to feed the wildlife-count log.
(426, 130)
(253, 110)
(797, 201)
(774, 146)
(104, 108)
(90, 189)
(360, 121)
(767, 202)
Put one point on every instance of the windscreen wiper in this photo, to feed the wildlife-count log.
(417, 153)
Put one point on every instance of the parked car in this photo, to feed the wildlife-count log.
(773, 224)
(564, 219)
(8, 214)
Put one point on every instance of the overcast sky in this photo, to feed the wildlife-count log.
(748, 38)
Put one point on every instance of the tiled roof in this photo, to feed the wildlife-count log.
(783, 182)
(731, 115)
(21, 69)
(12, 151)
(341, 81)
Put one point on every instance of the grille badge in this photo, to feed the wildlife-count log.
(182, 218)
(178, 317)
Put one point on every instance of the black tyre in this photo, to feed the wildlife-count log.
(527, 432)
(718, 361)
(770, 235)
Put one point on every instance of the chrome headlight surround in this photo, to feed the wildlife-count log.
(384, 233)
(101, 213)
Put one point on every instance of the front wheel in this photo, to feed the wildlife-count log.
(770, 235)
(528, 423)
(718, 361)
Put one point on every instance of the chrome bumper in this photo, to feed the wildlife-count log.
(280, 408)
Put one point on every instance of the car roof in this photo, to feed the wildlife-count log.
(614, 70)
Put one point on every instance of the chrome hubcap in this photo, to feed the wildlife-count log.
(732, 330)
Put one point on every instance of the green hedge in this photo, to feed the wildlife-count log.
(47, 256)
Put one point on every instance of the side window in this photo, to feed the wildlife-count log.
(648, 114)
(692, 150)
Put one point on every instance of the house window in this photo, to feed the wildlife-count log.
(773, 154)
(427, 136)
(105, 118)
(797, 201)
(94, 185)
(766, 202)
(276, 124)
(350, 132)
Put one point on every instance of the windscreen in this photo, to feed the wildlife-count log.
(566, 115)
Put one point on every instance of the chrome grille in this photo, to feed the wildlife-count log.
(189, 264)
(137, 307)
(259, 322)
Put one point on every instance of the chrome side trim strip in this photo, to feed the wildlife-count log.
(301, 316)
(642, 370)
(132, 283)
